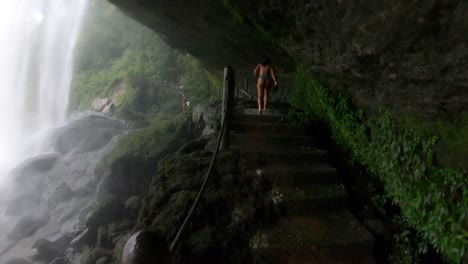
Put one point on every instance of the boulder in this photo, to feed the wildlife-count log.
(194, 145)
(109, 109)
(27, 225)
(18, 261)
(61, 193)
(87, 133)
(211, 145)
(41, 163)
(47, 250)
(59, 261)
(103, 260)
(86, 257)
(52, 250)
(100, 252)
(132, 206)
(207, 118)
(378, 229)
(84, 238)
(145, 247)
(103, 237)
(99, 104)
(29, 182)
(106, 211)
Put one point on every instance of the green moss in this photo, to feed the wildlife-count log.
(216, 234)
(433, 199)
(86, 257)
(452, 146)
(148, 143)
(234, 10)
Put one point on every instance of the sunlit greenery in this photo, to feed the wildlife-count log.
(433, 199)
(122, 60)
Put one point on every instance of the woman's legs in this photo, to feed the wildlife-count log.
(266, 93)
(260, 84)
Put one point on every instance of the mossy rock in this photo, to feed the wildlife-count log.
(106, 211)
(216, 232)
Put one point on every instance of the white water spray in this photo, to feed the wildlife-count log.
(37, 39)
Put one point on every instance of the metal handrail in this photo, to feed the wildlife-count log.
(208, 173)
(202, 189)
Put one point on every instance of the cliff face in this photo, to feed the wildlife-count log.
(411, 56)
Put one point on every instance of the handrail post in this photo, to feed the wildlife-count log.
(229, 85)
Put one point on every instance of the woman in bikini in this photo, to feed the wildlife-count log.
(265, 74)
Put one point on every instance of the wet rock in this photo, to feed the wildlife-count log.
(59, 261)
(51, 250)
(29, 182)
(378, 229)
(144, 247)
(61, 193)
(120, 242)
(41, 163)
(28, 224)
(174, 189)
(86, 257)
(18, 261)
(86, 237)
(109, 109)
(132, 206)
(98, 104)
(121, 227)
(194, 145)
(211, 145)
(103, 260)
(207, 118)
(87, 133)
(100, 252)
(103, 237)
(105, 212)
(47, 250)
(125, 177)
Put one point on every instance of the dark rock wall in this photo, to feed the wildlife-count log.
(408, 55)
(411, 56)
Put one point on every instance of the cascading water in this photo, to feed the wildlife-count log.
(36, 50)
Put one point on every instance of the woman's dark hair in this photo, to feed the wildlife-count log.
(266, 61)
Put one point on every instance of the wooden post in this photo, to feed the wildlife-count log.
(228, 102)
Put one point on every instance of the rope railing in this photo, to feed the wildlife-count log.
(223, 140)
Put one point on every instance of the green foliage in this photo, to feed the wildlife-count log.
(200, 84)
(146, 143)
(130, 64)
(452, 148)
(434, 200)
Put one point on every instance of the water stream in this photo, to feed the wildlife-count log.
(37, 39)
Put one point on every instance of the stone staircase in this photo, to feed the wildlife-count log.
(315, 224)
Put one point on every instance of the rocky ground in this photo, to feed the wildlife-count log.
(81, 202)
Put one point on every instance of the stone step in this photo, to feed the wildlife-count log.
(256, 118)
(293, 201)
(263, 128)
(299, 142)
(295, 176)
(335, 237)
(265, 112)
(262, 155)
(271, 105)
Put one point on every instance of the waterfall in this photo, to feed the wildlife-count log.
(37, 39)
